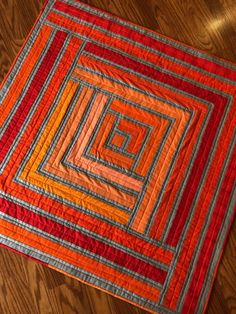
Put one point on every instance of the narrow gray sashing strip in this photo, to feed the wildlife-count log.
(141, 61)
(88, 154)
(25, 51)
(217, 252)
(18, 180)
(115, 130)
(149, 225)
(198, 84)
(148, 79)
(51, 110)
(126, 140)
(147, 136)
(206, 169)
(66, 116)
(79, 187)
(207, 221)
(83, 230)
(27, 83)
(75, 271)
(152, 80)
(156, 36)
(144, 62)
(54, 142)
(115, 112)
(36, 103)
(25, 89)
(227, 95)
(193, 156)
(97, 126)
(157, 155)
(192, 211)
(80, 250)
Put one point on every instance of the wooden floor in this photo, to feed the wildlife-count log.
(27, 287)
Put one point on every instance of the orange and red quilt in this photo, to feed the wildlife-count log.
(117, 157)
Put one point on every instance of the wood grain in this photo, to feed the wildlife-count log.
(28, 287)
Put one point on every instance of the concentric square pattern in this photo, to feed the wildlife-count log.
(117, 165)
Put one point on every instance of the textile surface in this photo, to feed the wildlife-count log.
(117, 157)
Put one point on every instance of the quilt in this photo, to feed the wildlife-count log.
(117, 157)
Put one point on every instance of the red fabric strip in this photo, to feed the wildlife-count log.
(201, 269)
(101, 249)
(32, 93)
(147, 41)
(208, 138)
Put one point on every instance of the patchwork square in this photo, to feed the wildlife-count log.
(117, 157)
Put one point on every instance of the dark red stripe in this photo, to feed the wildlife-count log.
(32, 93)
(202, 266)
(208, 138)
(83, 241)
(147, 41)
